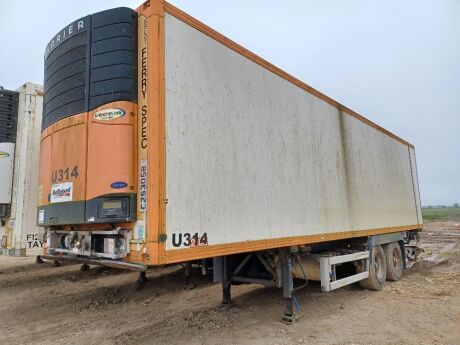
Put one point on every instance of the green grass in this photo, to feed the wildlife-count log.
(441, 214)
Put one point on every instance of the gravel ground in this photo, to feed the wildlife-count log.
(41, 304)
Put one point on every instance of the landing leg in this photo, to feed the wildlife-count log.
(226, 287)
(188, 276)
(288, 287)
(84, 267)
(226, 296)
(141, 280)
(39, 260)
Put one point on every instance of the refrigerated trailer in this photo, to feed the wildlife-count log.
(165, 142)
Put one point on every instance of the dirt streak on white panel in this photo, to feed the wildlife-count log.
(251, 156)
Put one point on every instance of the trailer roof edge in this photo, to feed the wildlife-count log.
(200, 26)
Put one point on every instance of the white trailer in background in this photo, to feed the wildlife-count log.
(8, 122)
(18, 231)
(6, 176)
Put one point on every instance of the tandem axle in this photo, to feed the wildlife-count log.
(372, 260)
(375, 259)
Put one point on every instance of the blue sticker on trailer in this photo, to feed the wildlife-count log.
(119, 184)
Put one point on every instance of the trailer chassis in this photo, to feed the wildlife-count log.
(274, 268)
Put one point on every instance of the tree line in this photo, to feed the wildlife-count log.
(456, 205)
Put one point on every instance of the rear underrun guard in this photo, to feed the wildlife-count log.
(101, 262)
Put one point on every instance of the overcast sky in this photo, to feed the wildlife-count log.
(396, 62)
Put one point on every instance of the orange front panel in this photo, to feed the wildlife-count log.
(74, 120)
(44, 186)
(89, 142)
(68, 162)
(111, 150)
(62, 181)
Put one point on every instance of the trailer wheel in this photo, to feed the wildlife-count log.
(377, 270)
(394, 258)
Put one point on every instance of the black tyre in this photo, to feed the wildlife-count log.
(377, 270)
(394, 258)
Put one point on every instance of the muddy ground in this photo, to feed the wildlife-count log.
(41, 304)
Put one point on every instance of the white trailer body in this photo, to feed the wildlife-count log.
(6, 171)
(20, 234)
(251, 157)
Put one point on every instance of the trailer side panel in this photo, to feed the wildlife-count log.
(251, 156)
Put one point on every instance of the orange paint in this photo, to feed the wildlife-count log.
(68, 152)
(64, 123)
(153, 11)
(45, 170)
(63, 145)
(186, 254)
(110, 150)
